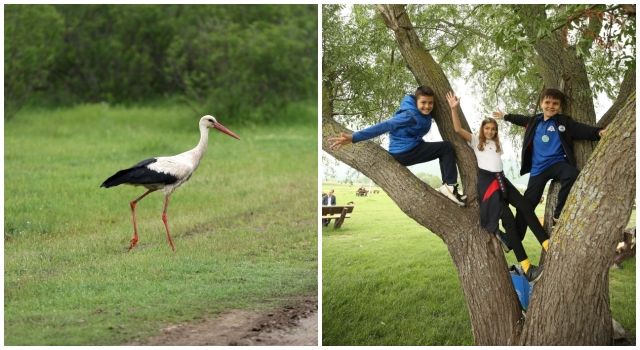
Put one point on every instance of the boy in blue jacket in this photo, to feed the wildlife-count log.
(406, 128)
(547, 150)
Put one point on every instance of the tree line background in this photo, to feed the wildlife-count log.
(242, 61)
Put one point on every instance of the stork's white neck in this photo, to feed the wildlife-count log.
(199, 150)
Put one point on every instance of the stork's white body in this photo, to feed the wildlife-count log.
(182, 165)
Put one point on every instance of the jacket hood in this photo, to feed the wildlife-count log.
(409, 104)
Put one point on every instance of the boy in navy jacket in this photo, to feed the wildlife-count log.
(406, 128)
(547, 150)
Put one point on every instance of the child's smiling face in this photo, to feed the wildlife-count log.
(550, 106)
(489, 130)
(424, 104)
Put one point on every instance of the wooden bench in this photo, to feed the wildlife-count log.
(337, 212)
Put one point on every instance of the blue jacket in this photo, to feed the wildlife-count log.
(406, 128)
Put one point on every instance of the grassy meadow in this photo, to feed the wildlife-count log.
(388, 281)
(244, 226)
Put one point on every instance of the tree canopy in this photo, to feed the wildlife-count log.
(488, 45)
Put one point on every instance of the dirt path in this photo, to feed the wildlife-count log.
(294, 324)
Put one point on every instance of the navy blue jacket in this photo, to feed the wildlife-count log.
(569, 130)
(406, 128)
(329, 200)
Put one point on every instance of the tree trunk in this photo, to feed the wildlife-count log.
(562, 68)
(571, 302)
(492, 304)
(480, 262)
(475, 253)
(428, 72)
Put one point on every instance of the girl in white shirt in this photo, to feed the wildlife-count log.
(495, 192)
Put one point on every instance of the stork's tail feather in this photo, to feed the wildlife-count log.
(122, 176)
(127, 175)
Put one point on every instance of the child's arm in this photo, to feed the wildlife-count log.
(517, 119)
(398, 121)
(581, 131)
(454, 102)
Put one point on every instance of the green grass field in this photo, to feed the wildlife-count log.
(388, 281)
(244, 226)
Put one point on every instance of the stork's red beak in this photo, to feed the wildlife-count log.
(225, 130)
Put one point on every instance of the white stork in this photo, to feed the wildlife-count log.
(166, 173)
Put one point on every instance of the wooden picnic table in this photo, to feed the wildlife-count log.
(337, 212)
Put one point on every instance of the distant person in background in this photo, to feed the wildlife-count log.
(328, 199)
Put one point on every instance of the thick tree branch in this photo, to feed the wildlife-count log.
(627, 87)
(427, 72)
(376, 163)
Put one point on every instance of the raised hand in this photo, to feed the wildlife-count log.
(454, 101)
(498, 115)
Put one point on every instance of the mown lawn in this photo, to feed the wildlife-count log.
(244, 226)
(388, 281)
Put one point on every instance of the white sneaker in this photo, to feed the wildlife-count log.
(448, 192)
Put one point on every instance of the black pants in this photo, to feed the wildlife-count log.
(563, 172)
(428, 151)
(526, 211)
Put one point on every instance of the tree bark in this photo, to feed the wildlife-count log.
(476, 254)
(492, 304)
(481, 265)
(571, 302)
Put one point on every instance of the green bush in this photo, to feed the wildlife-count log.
(245, 62)
(32, 41)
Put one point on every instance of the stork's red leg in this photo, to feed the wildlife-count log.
(132, 204)
(166, 223)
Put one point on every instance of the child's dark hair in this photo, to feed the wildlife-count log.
(424, 90)
(554, 94)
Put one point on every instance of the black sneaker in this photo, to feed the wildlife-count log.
(503, 242)
(534, 273)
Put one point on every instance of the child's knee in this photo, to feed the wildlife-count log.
(447, 147)
(570, 175)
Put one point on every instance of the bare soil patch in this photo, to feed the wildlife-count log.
(294, 324)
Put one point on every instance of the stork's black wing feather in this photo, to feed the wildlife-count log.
(139, 174)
